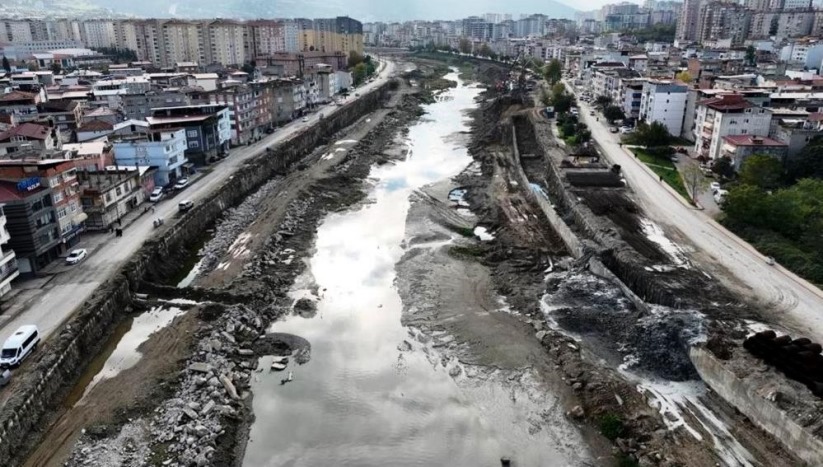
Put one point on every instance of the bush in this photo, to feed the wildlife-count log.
(611, 426)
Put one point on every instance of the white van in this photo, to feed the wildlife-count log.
(19, 346)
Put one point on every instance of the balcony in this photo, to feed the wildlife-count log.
(9, 270)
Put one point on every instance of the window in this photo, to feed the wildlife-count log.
(108, 197)
(61, 213)
(57, 196)
(118, 192)
(744, 131)
(191, 133)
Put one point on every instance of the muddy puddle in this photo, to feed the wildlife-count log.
(374, 393)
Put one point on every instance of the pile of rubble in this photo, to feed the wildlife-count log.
(233, 223)
(184, 430)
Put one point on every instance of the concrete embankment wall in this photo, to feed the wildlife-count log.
(764, 413)
(54, 370)
(570, 239)
(597, 234)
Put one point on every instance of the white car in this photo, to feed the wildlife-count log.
(182, 183)
(305, 120)
(715, 187)
(626, 130)
(76, 256)
(156, 194)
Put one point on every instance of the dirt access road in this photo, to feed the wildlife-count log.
(791, 301)
(70, 289)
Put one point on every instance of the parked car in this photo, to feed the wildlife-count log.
(182, 183)
(626, 130)
(5, 377)
(157, 194)
(76, 256)
(715, 187)
(591, 113)
(19, 346)
(185, 205)
(675, 159)
(720, 196)
(305, 119)
(613, 129)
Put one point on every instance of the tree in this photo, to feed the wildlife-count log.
(808, 163)
(613, 113)
(684, 76)
(751, 55)
(746, 204)
(355, 59)
(56, 68)
(6, 64)
(761, 171)
(603, 101)
(464, 46)
(652, 136)
(694, 180)
(562, 103)
(359, 74)
(553, 72)
(248, 68)
(723, 167)
(485, 51)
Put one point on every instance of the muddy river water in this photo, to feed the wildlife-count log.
(368, 397)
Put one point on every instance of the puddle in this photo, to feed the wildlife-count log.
(191, 276)
(654, 233)
(369, 396)
(121, 352)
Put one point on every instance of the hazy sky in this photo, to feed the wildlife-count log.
(369, 10)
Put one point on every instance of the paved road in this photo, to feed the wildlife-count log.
(795, 303)
(70, 288)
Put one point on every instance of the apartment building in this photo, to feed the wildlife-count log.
(31, 223)
(723, 20)
(165, 150)
(727, 115)
(110, 194)
(182, 41)
(98, 33)
(267, 37)
(225, 42)
(738, 148)
(60, 177)
(664, 101)
(8, 259)
(632, 93)
(207, 126)
(249, 111)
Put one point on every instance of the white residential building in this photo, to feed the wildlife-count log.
(8, 260)
(664, 101)
(98, 33)
(226, 42)
(727, 115)
(165, 150)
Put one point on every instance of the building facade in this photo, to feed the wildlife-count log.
(165, 150)
(664, 101)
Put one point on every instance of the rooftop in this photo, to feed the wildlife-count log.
(727, 102)
(27, 130)
(751, 140)
(9, 192)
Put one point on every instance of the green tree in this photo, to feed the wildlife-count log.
(56, 68)
(464, 45)
(562, 103)
(808, 163)
(652, 136)
(723, 167)
(603, 101)
(553, 72)
(359, 74)
(613, 113)
(355, 59)
(761, 171)
(6, 64)
(746, 204)
(485, 51)
(694, 180)
(684, 76)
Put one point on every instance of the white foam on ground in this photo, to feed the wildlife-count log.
(483, 234)
(654, 233)
(674, 399)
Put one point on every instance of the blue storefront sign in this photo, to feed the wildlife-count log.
(28, 184)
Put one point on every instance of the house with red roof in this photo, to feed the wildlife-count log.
(29, 136)
(738, 148)
(727, 115)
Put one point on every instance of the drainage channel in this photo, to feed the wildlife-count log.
(368, 396)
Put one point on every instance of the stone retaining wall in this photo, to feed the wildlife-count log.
(54, 370)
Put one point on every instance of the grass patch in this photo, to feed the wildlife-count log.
(665, 169)
(461, 252)
(611, 426)
(464, 231)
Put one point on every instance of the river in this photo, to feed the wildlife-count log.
(368, 396)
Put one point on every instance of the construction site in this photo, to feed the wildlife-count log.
(428, 276)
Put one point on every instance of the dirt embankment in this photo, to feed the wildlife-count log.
(597, 395)
(206, 420)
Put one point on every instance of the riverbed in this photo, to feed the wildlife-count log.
(375, 392)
